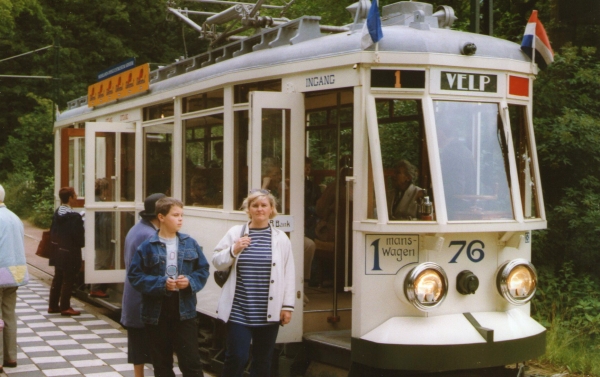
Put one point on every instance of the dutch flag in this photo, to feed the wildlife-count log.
(371, 32)
(536, 44)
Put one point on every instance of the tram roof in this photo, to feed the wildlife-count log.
(284, 48)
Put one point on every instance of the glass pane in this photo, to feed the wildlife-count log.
(242, 91)
(203, 101)
(158, 149)
(77, 164)
(127, 177)
(110, 231)
(472, 151)
(275, 167)
(105, 166)
(521, 143)
(204, 161)
(240, 158)
(159, 111)
(404, 158)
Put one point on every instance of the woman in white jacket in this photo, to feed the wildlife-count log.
(258, 296)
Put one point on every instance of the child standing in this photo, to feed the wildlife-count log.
(169, 269)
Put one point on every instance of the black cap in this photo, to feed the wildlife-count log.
(149, 206)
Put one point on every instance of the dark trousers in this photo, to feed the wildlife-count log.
(171, 334)
(62, 287)
(238, 347)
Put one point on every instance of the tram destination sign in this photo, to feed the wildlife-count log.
(125, 84)
(471, 82)
(399, 79)
(386, 254)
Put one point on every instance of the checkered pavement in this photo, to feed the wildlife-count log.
(53, 345)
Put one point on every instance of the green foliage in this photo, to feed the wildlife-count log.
(568, 304)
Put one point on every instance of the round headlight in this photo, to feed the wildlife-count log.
(517, 281)
(426, 286)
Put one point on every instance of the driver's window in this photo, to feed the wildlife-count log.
(472, 151)
(404, 159)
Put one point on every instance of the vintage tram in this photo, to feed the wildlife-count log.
(442, 286)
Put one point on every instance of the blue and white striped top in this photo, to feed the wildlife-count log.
(253, 280)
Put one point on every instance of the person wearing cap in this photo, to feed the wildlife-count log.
(138, 352)
(13, 274)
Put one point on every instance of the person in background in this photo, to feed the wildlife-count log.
(403, 199)
(104, 247)
(169, 269)
(138, 349)
(312, 193)
(259, 294)
(68, 236)
(13, 274)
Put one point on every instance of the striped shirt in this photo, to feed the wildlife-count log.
(253, 280)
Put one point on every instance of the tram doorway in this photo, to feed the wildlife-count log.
(328, 209)
(109, 194)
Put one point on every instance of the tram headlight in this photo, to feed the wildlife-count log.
(517, 281)
(426, 286)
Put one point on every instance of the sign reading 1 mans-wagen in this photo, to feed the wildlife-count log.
(385, 254)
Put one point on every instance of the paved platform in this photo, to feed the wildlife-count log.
(52, 345)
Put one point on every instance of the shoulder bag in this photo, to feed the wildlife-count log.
(221, 276)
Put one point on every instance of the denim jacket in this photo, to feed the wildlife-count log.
(147, 274)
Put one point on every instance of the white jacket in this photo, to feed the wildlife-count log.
(282, 288)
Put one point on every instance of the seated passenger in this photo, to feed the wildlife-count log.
(404, 197)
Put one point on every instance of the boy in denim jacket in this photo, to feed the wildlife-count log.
(169, 269)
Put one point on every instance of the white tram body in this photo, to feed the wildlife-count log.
(441, 291)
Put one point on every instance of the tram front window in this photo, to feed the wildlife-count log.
(404, 158)
(472, 151)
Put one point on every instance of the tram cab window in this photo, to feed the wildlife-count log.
(160, 111)
(522, 147)
(203, 101)
(474, 161)
(242, 91)
(404, 159)
(203, 186)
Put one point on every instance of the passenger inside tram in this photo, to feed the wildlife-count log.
(404, 198)
(312, 193)
(330, 231)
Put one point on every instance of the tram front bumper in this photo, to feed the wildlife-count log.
(451, 342)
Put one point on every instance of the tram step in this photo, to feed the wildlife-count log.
(329, 347)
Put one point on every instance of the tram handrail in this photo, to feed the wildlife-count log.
(349, 180)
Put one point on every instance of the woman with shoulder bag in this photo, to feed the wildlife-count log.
(258, 295)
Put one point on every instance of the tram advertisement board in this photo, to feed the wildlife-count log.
(130, 82)
(385, 254)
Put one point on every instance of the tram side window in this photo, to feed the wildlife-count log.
(242, 91)
(160, 111)
(203, 185)
(404, 159)
(474, 161)
(203, 101)
(525, 168)
(240, 158)
(158, 157)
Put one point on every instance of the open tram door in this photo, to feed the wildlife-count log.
(109, 193)
(277, 165)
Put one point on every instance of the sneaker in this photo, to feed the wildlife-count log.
(70, 312)
(98, 294)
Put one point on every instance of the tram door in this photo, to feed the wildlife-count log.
(328, 208)
(109, 193)
(277, 165)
